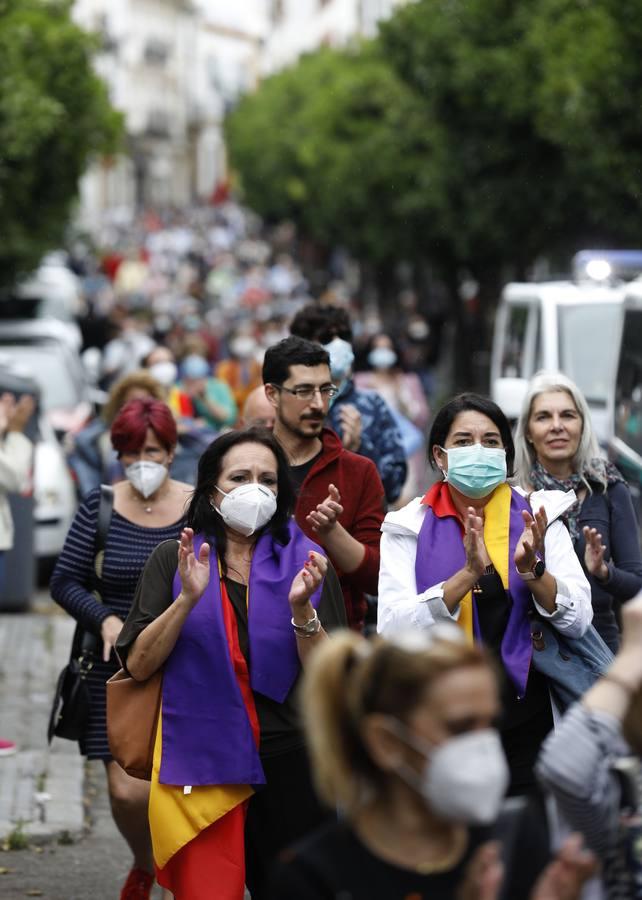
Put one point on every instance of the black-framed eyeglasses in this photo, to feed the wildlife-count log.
(306, 392)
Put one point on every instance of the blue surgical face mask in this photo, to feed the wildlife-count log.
(382, 358)
(475, 471)
(341, 358)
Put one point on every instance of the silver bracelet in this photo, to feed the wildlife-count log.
(311, 627)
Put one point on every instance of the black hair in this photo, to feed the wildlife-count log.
(322, 323)
(200, 515)
(444, 419)
(291, 351)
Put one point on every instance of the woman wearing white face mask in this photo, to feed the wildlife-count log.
(402, 741)
(231, 615)
(149, 507)
(476, 551)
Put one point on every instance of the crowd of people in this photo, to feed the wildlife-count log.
(353, 699)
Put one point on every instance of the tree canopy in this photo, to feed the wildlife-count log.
(477, 134)
(54, 114)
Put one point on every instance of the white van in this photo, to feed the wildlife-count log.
(570, 327)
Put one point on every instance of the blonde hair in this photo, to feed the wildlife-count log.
(349, 678)
(140, 380)
(525, 456)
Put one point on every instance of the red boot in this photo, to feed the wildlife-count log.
(138, 885)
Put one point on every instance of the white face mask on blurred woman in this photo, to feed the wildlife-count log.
(166, 373)
(464, 779)
(146, 477)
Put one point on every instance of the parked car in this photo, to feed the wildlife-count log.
(55, 497)
(49, 351)
(570, 326)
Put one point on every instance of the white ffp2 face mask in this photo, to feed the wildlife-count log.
(464, 779)
(247, 508)
(146, 476)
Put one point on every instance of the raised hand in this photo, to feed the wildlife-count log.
(483, 875)
(326, 515)
(307, 580)
(21, 413)
(474, 546)
(594, 554)
(350, 426)
(564, 878)
(530, 546)
(194, 571)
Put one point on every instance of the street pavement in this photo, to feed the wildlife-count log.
(53, 805)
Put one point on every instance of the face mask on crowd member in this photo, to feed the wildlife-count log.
(243, 346)
(341, 358)
(166, 373)
(146, 476)
(464, 779)
(247, 508)
(475, 470)
(382, 358)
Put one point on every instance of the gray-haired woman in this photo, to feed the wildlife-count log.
(556, 448)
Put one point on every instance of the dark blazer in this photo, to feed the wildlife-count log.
(612, 513)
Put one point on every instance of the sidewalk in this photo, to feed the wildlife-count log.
(41, 787)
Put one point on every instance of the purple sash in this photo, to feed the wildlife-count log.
(440, 553)
(207, 735)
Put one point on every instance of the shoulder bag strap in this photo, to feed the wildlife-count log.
(85, 641)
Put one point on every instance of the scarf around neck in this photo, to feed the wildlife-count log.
(598, 472)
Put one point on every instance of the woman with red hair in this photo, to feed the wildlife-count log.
(148, 508)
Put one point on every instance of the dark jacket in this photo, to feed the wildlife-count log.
(613, 515)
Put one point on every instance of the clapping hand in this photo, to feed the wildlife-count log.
(530, 546)
(594, 554)
(324, 518)
(307, 580)
(474, 543)
(194, 571)
(563, 879)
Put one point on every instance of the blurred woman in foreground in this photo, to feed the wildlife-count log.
(402, 741)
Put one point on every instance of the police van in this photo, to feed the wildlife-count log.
(570, 326)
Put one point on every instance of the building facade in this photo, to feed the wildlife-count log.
(172, 67)
(301, 26)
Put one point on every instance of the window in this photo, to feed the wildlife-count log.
(514, 342)
(588, 345)
(628, 387)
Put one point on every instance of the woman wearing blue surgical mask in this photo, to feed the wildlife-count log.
(476, 551)
(402, 740)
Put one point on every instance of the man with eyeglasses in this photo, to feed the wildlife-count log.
(340, 497)
(362, 419)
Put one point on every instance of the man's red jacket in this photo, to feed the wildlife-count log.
(362, 498)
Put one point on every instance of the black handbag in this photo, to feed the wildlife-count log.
(70, 710)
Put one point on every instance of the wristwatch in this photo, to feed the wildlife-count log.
(536, 572)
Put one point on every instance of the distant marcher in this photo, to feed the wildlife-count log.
(340, 496)
(556, 449)
(149, 508)
(257, 410)
(403, 742)
(212, 398)
(362, 419)
(16, 457)
(242, 371)
(404, 394)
